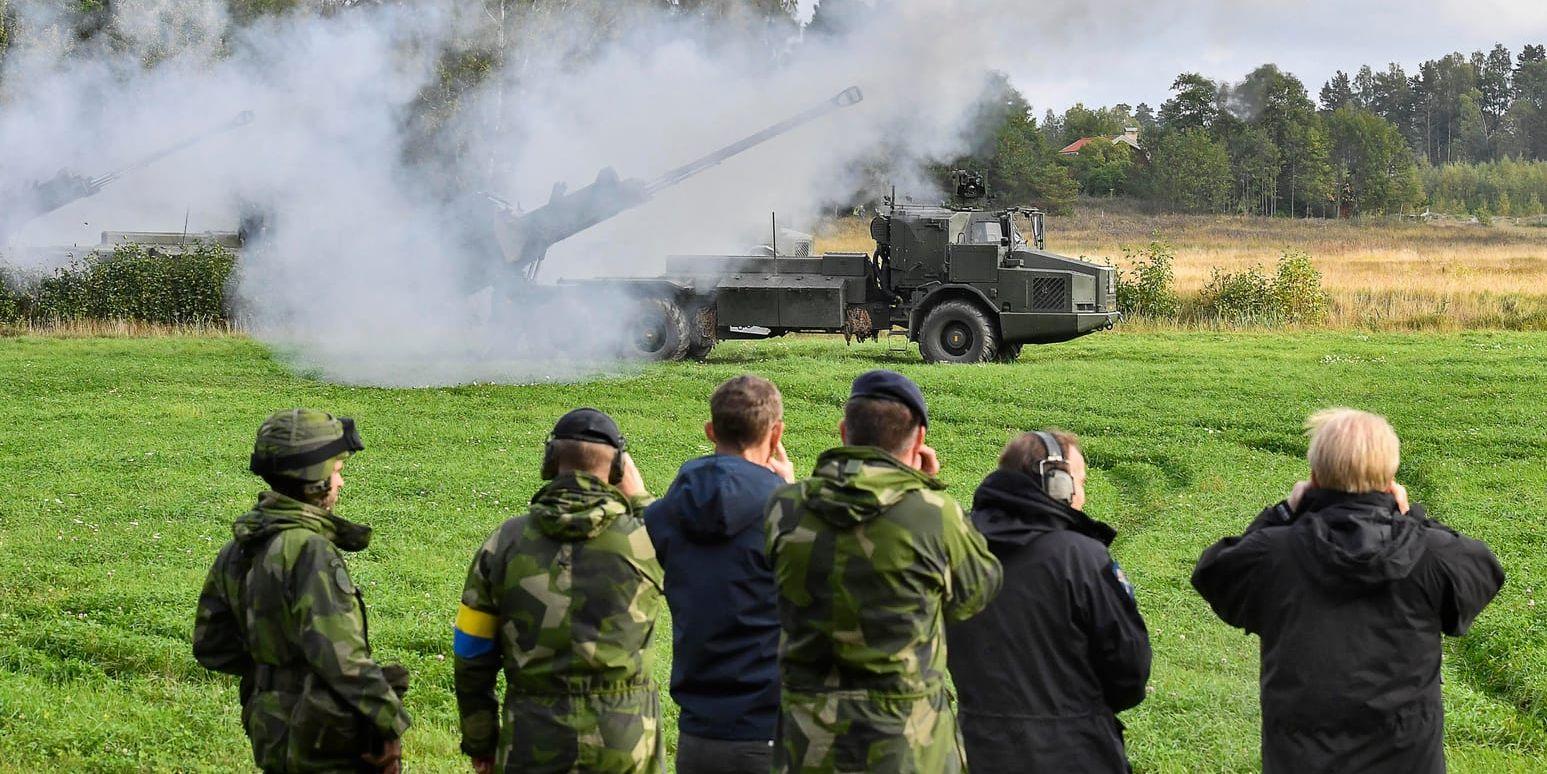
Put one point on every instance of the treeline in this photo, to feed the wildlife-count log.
(1463, 133)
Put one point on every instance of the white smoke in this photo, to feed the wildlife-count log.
(363, 278)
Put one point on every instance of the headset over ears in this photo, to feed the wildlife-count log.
(1057, 481)
(550, 468)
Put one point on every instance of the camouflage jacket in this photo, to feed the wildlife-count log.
(871, 559)
(279, 609)
(564, 598)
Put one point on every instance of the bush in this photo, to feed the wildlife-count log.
(1239, 297)
(12, 299)
(1292, 294)
(1147, 288)
(135, 284)
(1297, 290)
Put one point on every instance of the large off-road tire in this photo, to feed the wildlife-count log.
(658, 331)
(958, 332)
(1009, 353)
(701, 334)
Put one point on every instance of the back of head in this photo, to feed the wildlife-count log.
(744, 409)
(885, 424)
(585, 440)
(1352, 451)
(1026, 452)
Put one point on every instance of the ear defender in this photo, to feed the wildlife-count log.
(615, 476)
(1056, 481)
(550, 469)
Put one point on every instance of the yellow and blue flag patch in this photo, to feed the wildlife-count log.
(473, 635)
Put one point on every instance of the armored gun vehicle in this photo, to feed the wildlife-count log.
(40, 198)
(963, 283)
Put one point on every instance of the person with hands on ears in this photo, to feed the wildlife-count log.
(1349, 587)
(708, 534)
(564, 598)
(871, 557)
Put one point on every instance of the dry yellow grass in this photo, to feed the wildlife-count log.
(1379, 273)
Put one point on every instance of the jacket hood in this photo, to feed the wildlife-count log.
(1359, 540)
(854, 484)
(275, 513)
(710, 496)
(577, 506)
(1010, 507)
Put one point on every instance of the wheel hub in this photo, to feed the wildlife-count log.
(955, 338)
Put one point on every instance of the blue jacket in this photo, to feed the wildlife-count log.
(708, 535)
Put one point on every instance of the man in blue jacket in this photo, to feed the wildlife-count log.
(708, 535)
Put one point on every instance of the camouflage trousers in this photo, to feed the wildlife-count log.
(608, 733)
(304, 728)
(855, 731)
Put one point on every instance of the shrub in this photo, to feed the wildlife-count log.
(1238, 297)
(11, 298)
(1292, 294)
(135, 284)
(1147, 288)
(1297, 290)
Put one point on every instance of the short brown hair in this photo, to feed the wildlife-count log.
(1352, 451)
(1025, 452)
(569, 454)
(879, 422)
(743, 409)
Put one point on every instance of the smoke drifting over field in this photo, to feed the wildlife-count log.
(363, 277)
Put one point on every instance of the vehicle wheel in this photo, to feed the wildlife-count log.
(659, 331)
(1009, 352)
(701, 335)
(958, 332)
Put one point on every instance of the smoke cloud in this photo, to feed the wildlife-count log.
(363, 272)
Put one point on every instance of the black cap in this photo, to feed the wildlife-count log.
(891, 385)
(588, 424)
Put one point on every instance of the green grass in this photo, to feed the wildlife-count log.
(122, 462)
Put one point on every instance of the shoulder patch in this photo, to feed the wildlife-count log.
(1122, 578)
(341, 577)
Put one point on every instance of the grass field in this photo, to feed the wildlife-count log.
(124, 462)
(1385, 275)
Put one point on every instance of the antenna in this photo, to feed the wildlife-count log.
(774, 218)
(185, 226)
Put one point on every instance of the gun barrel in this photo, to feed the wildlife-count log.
(843, 99)
(242, 119)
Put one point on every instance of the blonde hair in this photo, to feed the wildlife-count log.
(1352, 451)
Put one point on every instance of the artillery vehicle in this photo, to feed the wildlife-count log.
(963, 283)
(42, 197)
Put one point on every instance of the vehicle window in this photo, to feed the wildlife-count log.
(984, 232)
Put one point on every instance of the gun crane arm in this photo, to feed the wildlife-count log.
(524, 238)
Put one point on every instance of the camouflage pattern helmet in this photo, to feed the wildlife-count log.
(302, 444)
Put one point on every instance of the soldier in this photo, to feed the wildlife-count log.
(564, 598)
(280, 610)
(871, 559)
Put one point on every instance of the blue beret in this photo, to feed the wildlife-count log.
(891, 385)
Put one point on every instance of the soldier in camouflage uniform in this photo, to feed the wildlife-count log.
(279, 610)
(872, 558)
(564, 598)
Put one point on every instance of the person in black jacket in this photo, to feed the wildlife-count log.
(1349, 589)
(708, 534)
(1042, 672)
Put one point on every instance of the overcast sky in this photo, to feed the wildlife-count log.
(1112, 51)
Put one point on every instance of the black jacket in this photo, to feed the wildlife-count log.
(708, 535)
(1041, 672)
(1350, 598)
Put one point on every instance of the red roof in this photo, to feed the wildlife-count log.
(1074, 147)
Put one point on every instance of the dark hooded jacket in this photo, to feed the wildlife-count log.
(1350, 598)
(1041, 671)
(708, 535)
